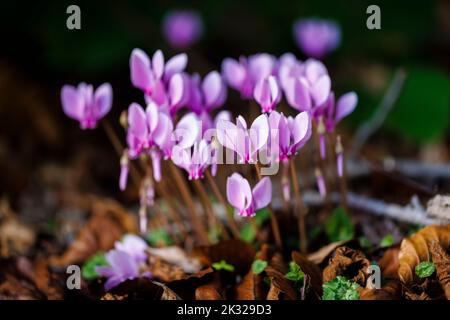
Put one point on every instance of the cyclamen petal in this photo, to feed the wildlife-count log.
(176, 64)
(234, 73)
(140, 70)
(214, 90)
(72, 102)
(133, 245)
(262, 193)
(267, 93)
(158, 64)
(297, 94)
(345, 105)
(103, 99)
(238, 192)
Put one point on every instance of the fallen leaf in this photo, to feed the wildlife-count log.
(178, 257)
(415, 249)
(320, 255)
(139, 289)
(235, 252)
(349, 263)
(441, 261)
(392, 290)
(389, 263)
(310, 269)
(108, 223)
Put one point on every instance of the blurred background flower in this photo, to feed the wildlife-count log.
(182, 28)
(317, 37)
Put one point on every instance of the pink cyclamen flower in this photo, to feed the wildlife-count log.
(163, 83)
(182, 28)
(245, 142)
(306, 86)
(243, 75)
(317, 37)
(291, 134)
(207, 95)
(133, 245)
(84, 104)
(121, 267)
(267, 93)
(146, 128)
(245, 200)
(195, 162)
(335, 112)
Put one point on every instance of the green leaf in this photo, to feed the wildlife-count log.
(248, 233)
(425, 269)
(422, 111)
(159, 237)
(364, 242)
(261, 216)
(295, 272)
(387, 241)
(88, 269)
(223, 265)
(340, 289)
(258, 266)
(339, 227)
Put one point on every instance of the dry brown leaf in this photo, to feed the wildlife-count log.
(274, 292)
(16, 238)
(236, 252)
(178, 257)
(185, 287)
(415, 249)
(107, 224)
(252, 287)
(389, 263)
(276, 271)
(392, 290)
(442, 262)
(352, 264)
(320, 255)
(141, 288)
(312, 270)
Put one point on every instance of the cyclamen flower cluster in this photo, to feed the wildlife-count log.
(167, 88)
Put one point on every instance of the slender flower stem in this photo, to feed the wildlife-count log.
(202, 235)
(273, 218)
(285, 186)
(340, 168)
(300, 209)
(228, 211)
(207, 205)
(117, 145)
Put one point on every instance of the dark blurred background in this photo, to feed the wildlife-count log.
(39, 54)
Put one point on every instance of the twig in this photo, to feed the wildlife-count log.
(382, 111)
(411, 213)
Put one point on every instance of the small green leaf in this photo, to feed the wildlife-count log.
(340, 289)
(295, 272)
(88, 269)
(261, 216)
(364, 242)
(425, 269)
(223, 265)
(258, 266)
(267, 281)
(387, 241)
(339, 227)
(159, 237)
(248, 233)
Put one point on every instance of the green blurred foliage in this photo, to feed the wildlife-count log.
(339, 226)
(422, 112)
